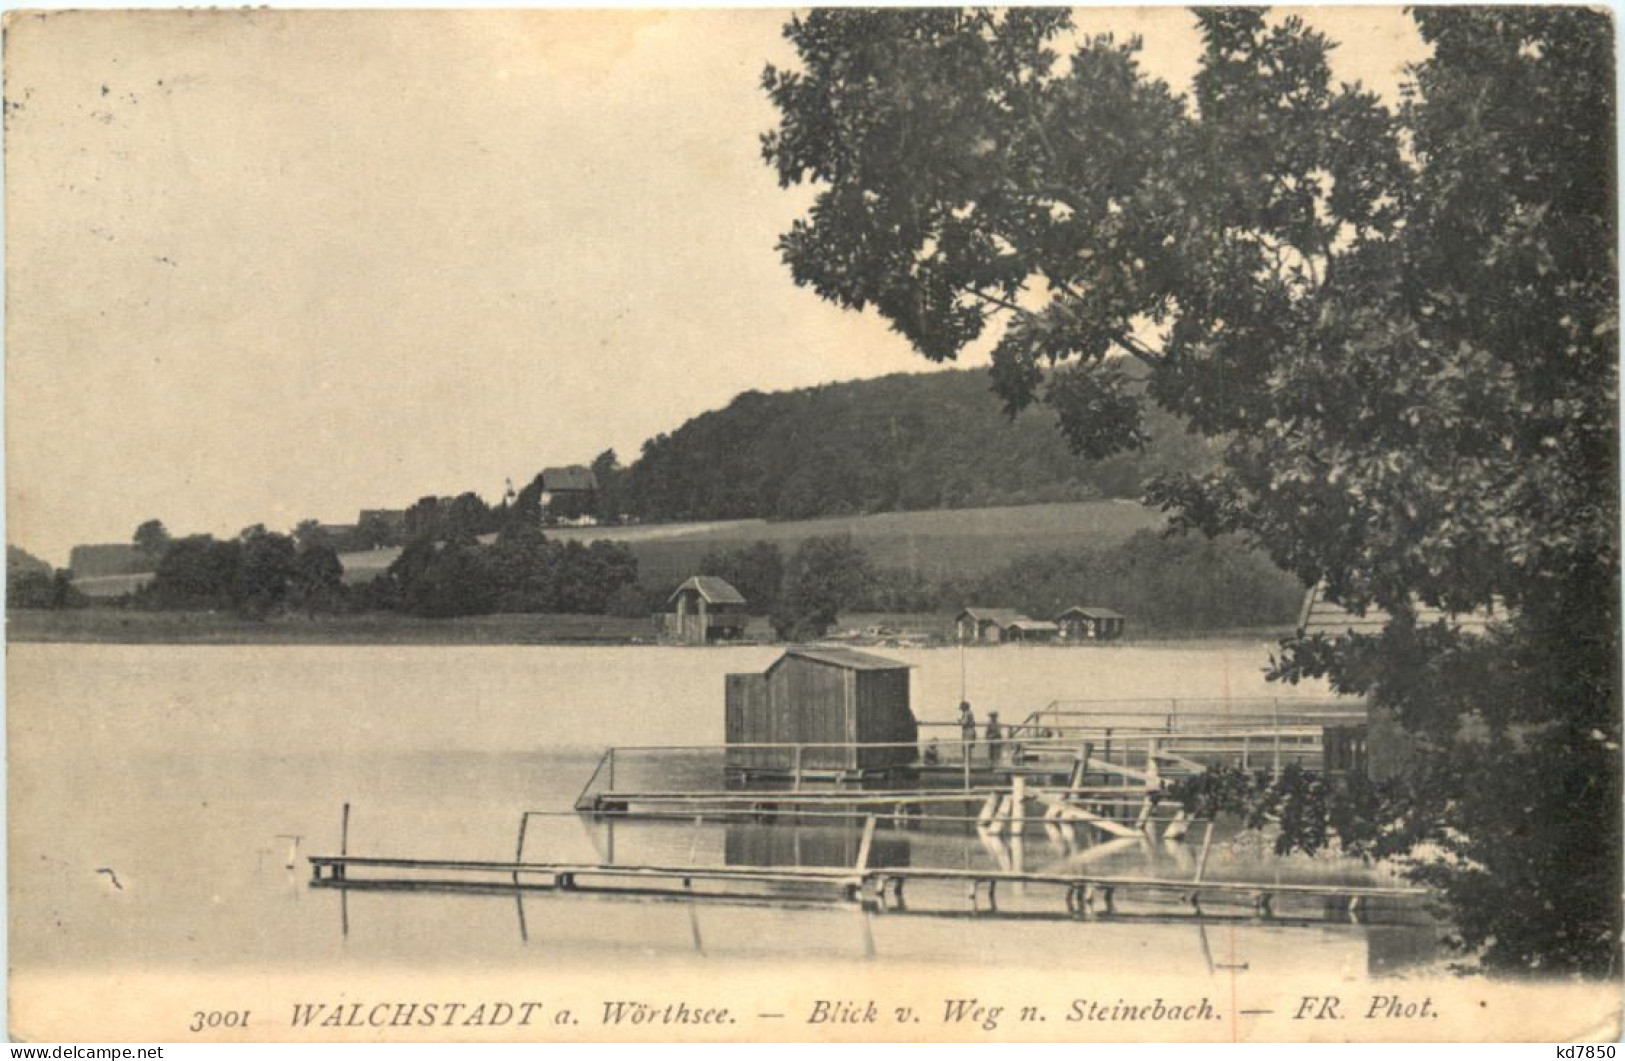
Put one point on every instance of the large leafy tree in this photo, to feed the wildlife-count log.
(1399, 317)
(152, 539)
(825, 575)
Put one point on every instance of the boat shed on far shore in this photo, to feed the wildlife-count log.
(1031, 630)
(975, 625)
(1091, 624)
(704, 609)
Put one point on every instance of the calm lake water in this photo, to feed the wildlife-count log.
(185, 772)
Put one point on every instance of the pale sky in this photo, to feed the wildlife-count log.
(265, 265)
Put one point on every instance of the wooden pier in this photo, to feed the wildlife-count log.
(1105, 767)
(1105, 763)
(877, 887)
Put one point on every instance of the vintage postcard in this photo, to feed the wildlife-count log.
(828, 524)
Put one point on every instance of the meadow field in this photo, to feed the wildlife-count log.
(968, 541)
(944, 541)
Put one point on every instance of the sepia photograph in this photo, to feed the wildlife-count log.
(841, 524)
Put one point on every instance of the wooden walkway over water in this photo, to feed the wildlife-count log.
(879, 887)
(1106, 764)
(1102, 766)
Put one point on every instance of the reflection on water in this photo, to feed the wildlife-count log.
(193, 773)
(799, 845)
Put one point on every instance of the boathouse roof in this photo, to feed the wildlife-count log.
(1002, 616)
(849, 658)
(710, 587)
(1091, 613)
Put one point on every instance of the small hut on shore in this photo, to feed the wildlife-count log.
(1031, 631)
(704, 609)
(977, 625)
(1090, 624)
(822, 696)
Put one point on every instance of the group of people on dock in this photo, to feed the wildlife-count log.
(967, 733)
(994, 735)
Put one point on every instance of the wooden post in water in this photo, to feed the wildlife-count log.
(867, 842)
(1018, 825)
(984, 820)
(1201, 861)
(694, 847)
(344, 849)
(519, 851)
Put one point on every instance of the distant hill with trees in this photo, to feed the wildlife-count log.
(904, 442)
(31, 583)
(22, 562)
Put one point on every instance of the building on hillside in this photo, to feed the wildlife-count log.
(704, 609)
(98, 561)
(1031, 631)
(569, 496)
(387, 525)
(572, 481)
(854, 704)
(344, 531)
(1078, 623)
(977, 625)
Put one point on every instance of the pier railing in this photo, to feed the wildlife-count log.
(1177, 715)
(1121, 762)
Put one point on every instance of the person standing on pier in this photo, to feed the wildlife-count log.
(967, 729)
(995, 735)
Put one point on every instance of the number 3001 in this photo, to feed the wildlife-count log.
(219, 1018)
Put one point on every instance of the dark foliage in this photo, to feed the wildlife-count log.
(197, 572)
(523, 571)
(31, 588)
(22, 562)
(152, 538)
(1163, 583)
(755, 570)
(825, 576)
(1401, 322)
(899, 443)
(440, 518)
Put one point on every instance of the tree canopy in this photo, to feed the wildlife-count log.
(904, 442)
(1399, 317)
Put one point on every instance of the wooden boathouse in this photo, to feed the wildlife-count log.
(705, 609)
(1090, 624)
(976, 625)
(854, 704)
(1032, 631)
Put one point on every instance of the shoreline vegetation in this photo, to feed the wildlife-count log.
(100, 625)
(266, 586)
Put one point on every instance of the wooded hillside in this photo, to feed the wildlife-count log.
(905, 442)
